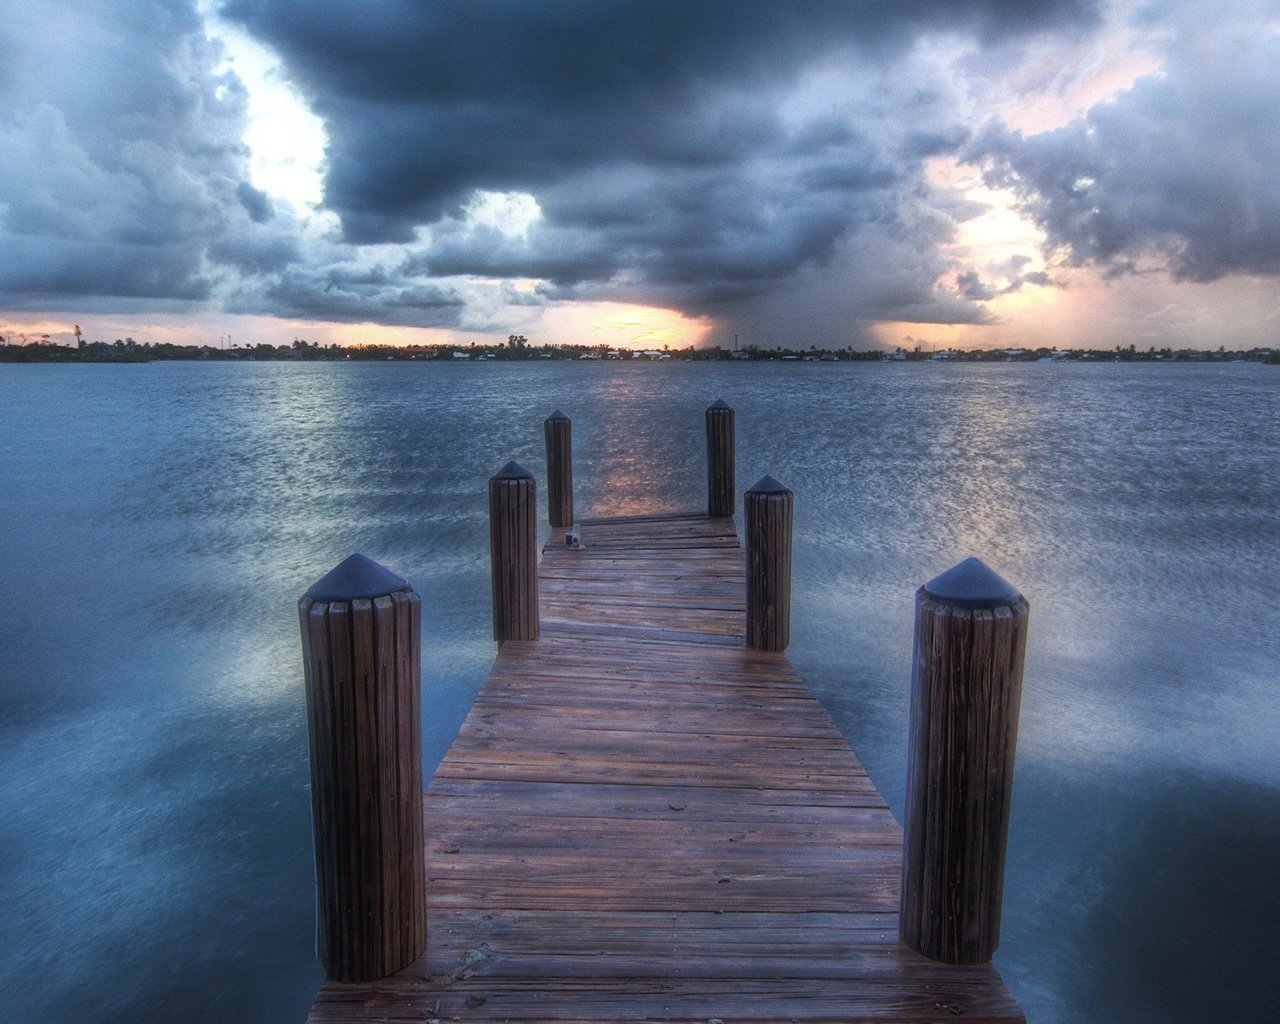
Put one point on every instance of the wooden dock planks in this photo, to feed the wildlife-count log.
(641, 819)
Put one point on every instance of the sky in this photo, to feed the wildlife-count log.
(975, 173)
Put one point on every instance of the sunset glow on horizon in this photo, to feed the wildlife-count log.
(1051, 176)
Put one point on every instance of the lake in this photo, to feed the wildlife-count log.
(160, 522)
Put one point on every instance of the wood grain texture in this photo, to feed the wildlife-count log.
(721, 486)
(363, 679)
(966, 692)
(513, 557)
(558, 435)
(767, 519)
(643, 819)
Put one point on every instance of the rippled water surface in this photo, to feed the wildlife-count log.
(159, 522)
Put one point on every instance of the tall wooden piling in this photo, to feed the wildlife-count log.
(970, 639)
(513, 553)
(558, 429)
(767, 512)
(720, 468)
(361, 629)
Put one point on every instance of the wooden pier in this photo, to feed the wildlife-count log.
(643, 819)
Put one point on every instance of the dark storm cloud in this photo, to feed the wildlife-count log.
(708, 234)
(689, 154)
(425, 102)
(348, 295)
(1003, 278)
(1177, 172)
(41, 266)
(971, 286)
(123, 171)
(256, 203)
(656, 138)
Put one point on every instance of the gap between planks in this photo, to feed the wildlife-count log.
(642, 820)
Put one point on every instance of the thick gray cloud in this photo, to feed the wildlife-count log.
(740, 161)
(121, 156)
(350, 297)
(680, 153)
(1003, 278)
(124, 179)
(426, 102)
(971, 286)
(1178, 172)
(761, 163)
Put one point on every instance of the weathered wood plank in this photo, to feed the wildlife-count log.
(642, 819)
(558, 432)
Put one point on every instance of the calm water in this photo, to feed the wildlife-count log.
(160, 521)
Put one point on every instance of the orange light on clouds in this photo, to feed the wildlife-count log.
(1090, 311)
(1043, 92)
(1068, 80)
(33, 329)
(995, 234)
(891, 334)
(619, 325)
(215, 330)
(373, 334)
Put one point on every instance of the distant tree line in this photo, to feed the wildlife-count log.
(40, 349)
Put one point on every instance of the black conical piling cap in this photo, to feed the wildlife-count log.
(768, 485)
(512, 471)
(557, 415)
(355, 577)
(719, 403)
(972, 584)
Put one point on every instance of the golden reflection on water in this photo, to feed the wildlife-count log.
(622, 491)
(634, 450)
(986, 445)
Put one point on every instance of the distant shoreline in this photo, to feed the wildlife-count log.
(300, 351)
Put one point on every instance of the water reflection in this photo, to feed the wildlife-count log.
(644, 446)
(161, 521)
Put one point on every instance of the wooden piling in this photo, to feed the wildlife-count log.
(513, 553)
(361, 629)
(720, 467)
(558, 429)
(767, 512)
(970, 639)
(576, 849)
